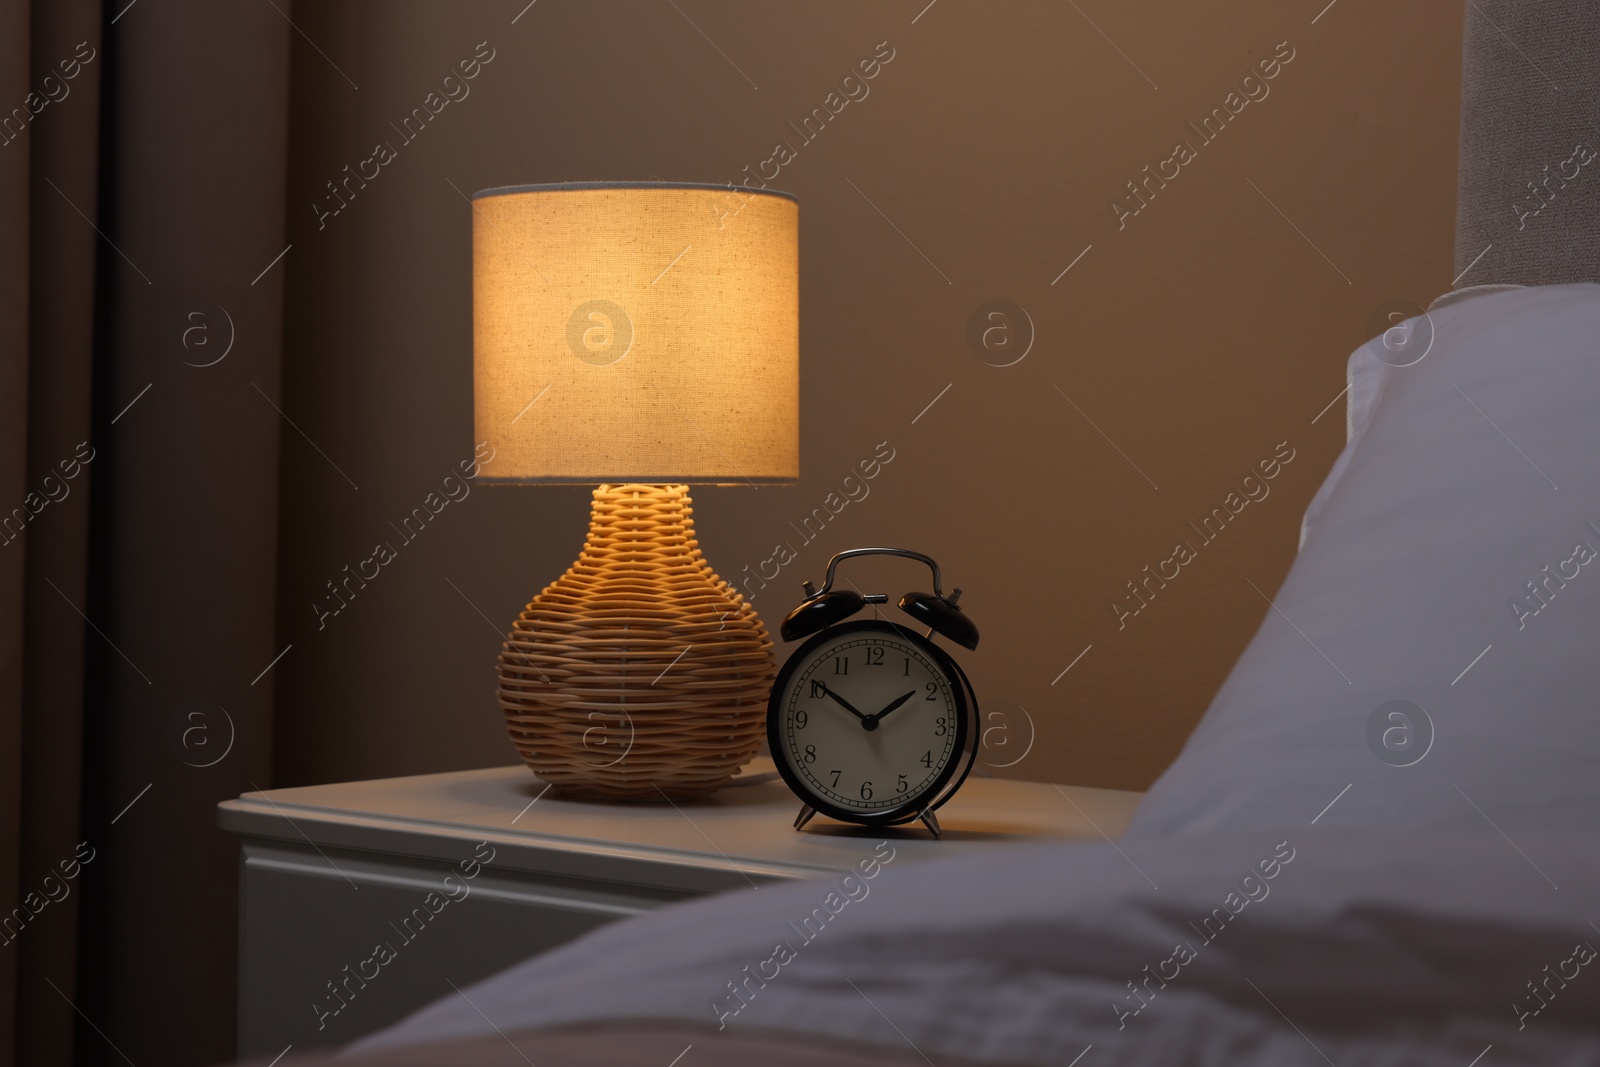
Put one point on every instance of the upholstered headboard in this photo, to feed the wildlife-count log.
(1529, 186)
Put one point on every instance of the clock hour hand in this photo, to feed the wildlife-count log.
(897, 702)
(843, 703)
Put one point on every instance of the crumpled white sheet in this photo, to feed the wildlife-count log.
(1360, 949)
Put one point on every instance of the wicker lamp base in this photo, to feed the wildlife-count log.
(638, 674)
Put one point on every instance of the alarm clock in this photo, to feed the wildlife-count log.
(870, 721)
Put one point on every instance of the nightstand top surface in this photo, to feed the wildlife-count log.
(743, 831)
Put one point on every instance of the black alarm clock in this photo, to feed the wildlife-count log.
(869, 721)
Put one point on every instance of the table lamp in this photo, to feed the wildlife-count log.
(636, 336)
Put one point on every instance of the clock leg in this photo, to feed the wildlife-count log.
(928, 820)
(806, 811)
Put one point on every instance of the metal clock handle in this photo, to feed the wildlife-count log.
(906, 553)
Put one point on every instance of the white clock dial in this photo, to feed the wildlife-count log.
(869, 721)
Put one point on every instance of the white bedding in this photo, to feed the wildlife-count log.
(1359, 950)
(1453, 563)
(1428, 906)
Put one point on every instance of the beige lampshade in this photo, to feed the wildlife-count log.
(636, 332)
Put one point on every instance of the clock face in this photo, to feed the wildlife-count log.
(867, 721)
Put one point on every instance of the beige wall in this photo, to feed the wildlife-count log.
(1197, 337)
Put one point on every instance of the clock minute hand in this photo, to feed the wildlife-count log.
(842, 702)
(897, 702)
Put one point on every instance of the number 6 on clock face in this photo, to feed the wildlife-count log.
(868, 722)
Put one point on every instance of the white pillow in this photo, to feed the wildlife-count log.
(1368, 368)
(1471, 480)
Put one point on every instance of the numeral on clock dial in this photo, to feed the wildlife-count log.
(866, 741)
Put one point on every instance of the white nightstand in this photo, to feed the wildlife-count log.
(330, 871)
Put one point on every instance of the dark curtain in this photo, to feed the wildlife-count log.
(141, 212)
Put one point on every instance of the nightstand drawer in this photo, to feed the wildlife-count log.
(311, 972)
